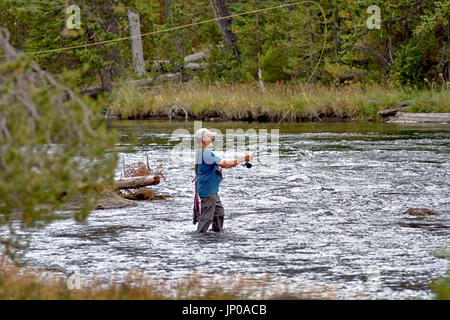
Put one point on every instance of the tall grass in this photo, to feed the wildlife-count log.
(20, 284)
(291, 102)
(31, 284)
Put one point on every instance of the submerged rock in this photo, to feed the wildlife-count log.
(107, 199)
(420, 212)
(111, 200)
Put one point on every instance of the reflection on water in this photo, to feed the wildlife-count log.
(329, 213)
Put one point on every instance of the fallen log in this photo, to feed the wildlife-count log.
(196, 57)
(391, 112)
(195, 66)
(160, 65)
(136, 182)
(142, 194)
(406, 117)
(142, 82)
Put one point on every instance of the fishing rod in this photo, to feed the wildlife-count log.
(248, 164)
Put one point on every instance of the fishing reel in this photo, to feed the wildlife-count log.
(248, 165)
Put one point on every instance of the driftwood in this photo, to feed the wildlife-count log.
(160, 65)
(191, 61)
(136, 182)
(136, 177)
(391, 112)
(142, 194)
(195, 66)
(169, 77)
(196, 57)
(406, 117)
(142, 82)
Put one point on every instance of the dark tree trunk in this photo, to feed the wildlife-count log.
(336, 35)
(109, 24)
(166, 9)
(220, 10)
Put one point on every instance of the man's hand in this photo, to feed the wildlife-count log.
(235, 162)
(249, 157)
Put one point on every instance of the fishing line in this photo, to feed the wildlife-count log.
(248, 164)
(87, 45)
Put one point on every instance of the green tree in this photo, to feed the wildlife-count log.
(409, 46)
(53, 147)
(37, 25)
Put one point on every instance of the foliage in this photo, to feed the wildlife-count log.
(52, 147)
(407, 48)
(273, 63)
(411, 45)
(410, 65)
(441, 286)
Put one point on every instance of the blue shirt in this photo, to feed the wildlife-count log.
(208, 179)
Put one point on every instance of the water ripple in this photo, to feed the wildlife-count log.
(329, 213)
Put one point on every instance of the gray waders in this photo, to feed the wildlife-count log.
(212, 212)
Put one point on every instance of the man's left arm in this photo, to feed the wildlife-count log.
(235, 162)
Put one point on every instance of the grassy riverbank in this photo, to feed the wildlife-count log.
(280, 101)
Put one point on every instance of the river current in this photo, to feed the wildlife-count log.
(324, 209)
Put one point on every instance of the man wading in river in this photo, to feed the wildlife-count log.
(208, 169)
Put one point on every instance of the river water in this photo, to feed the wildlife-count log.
(326, 210)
